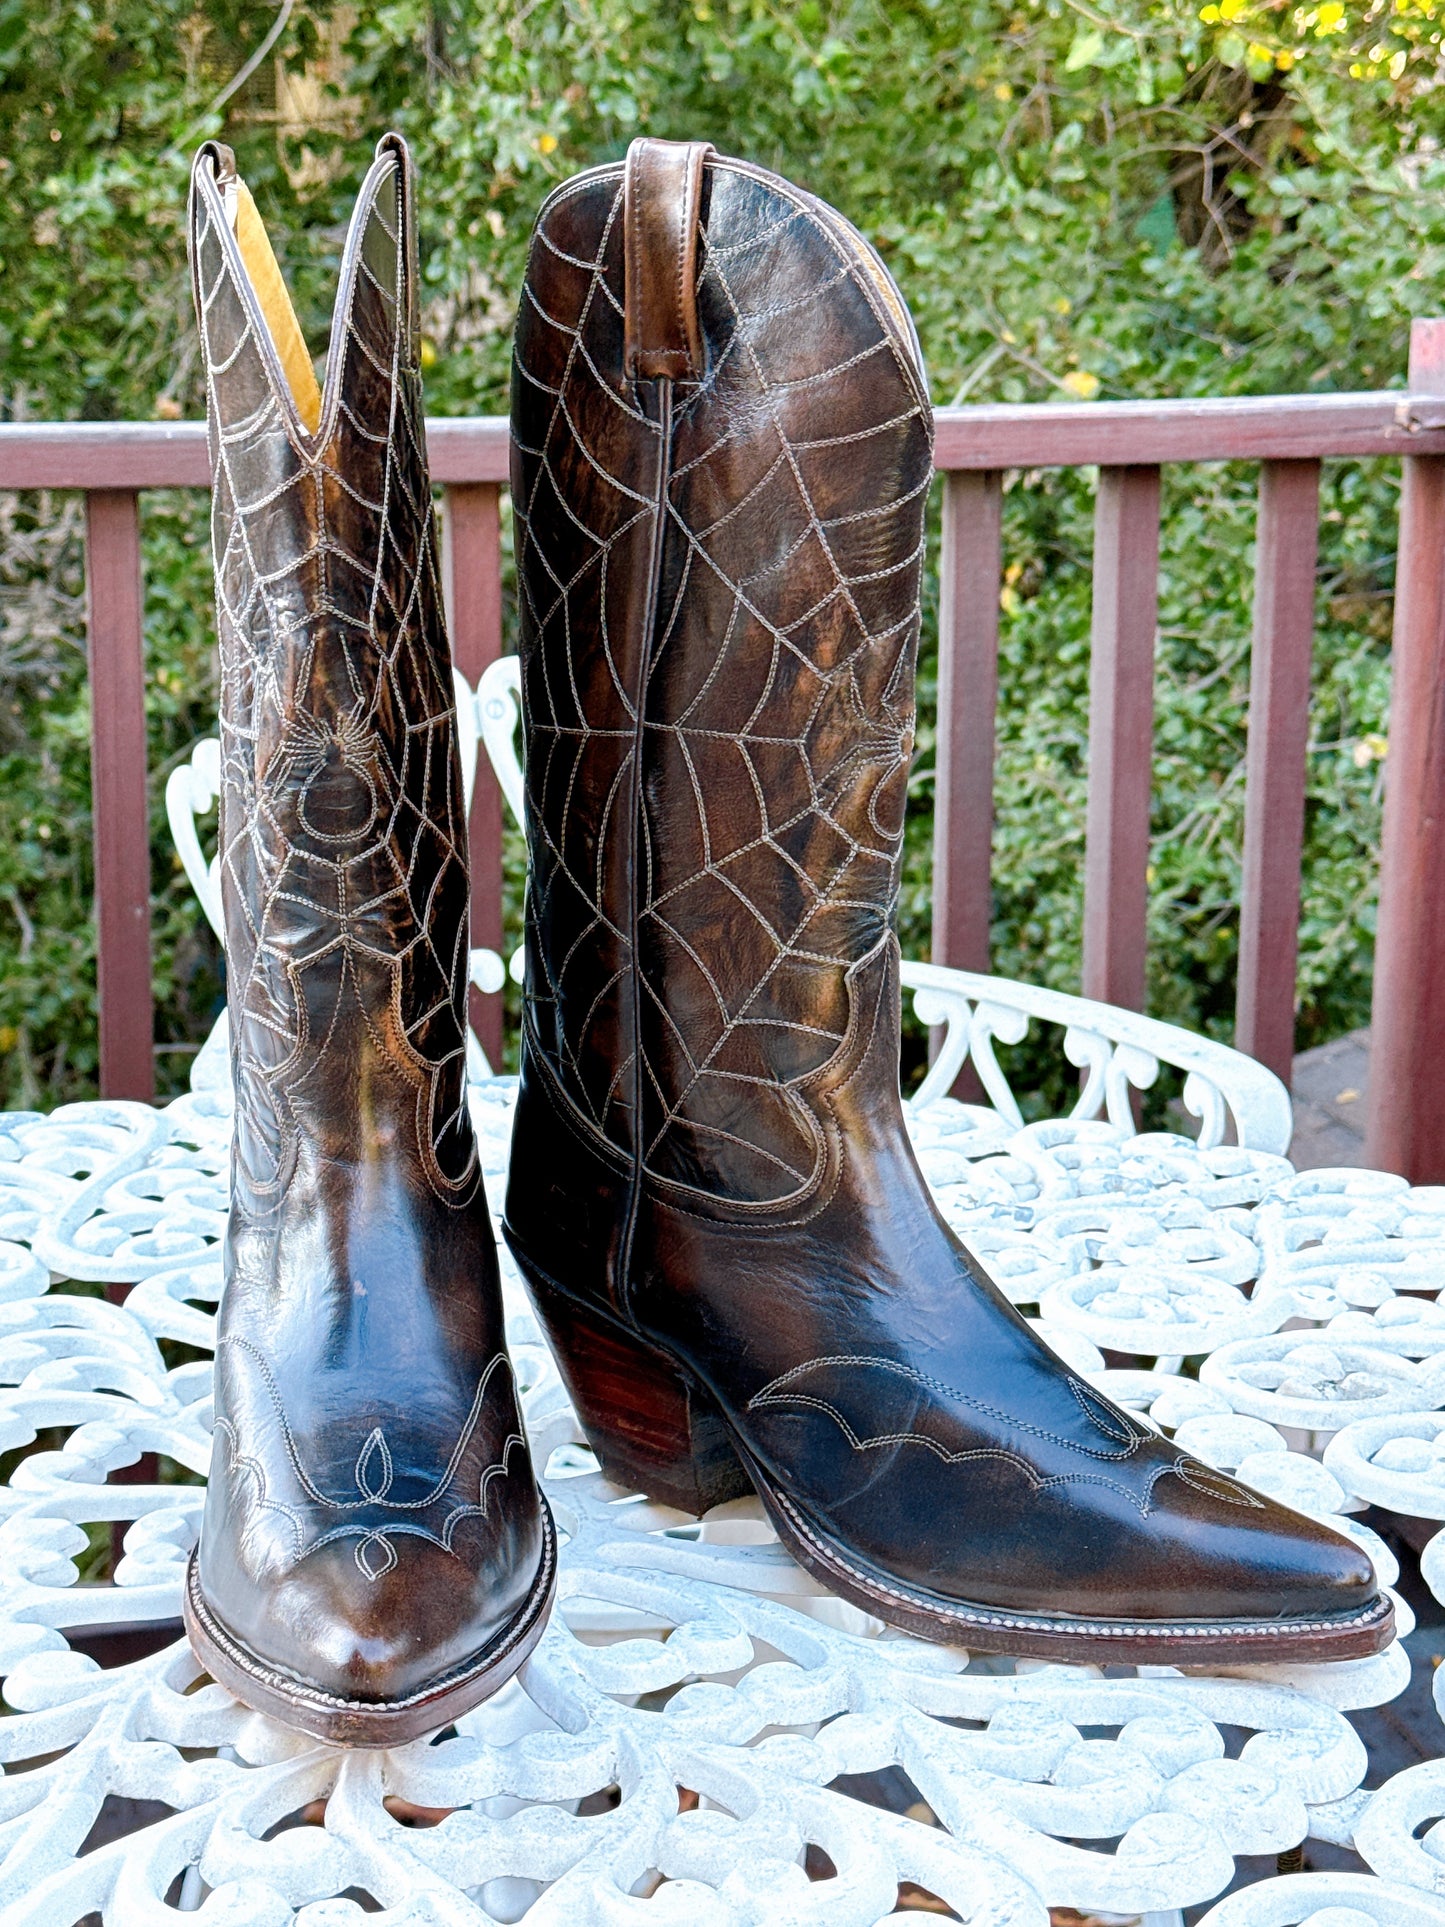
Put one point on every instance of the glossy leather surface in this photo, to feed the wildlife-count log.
(372, 1522)
(719, 591)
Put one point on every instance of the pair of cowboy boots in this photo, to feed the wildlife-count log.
(722, 450)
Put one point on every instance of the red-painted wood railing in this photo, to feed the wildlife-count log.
(472, 571)
(1406, 1125)
(1129, 441)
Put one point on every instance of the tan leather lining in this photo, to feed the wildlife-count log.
(275, 303)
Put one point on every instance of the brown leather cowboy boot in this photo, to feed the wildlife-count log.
(722, 453)
(375, 1557)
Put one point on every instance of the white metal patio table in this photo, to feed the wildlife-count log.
(684, 1746)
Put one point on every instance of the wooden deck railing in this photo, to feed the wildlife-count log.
(1288, 435)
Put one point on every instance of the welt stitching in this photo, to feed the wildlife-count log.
(1133, 1629)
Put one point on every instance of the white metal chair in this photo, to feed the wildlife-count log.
(491, 716)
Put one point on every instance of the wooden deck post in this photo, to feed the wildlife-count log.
(967, 704)
(1121, 734)
(1279, 725)
(118, 792)
(472, 572)
(1406, 1120)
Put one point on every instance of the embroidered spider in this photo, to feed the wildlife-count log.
(329, 761)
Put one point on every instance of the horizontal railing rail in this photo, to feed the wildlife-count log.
(1226, 428)
(1288, 435)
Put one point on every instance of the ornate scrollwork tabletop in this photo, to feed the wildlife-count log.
(686, 1744)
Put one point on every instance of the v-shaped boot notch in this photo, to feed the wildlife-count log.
(272, 295)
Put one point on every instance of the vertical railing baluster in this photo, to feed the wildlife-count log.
(1406, 1106)
(1121, 734)
(1286, 545)
(967, 704)
(472, 528)
(118, 793)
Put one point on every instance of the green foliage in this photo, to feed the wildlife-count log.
(1076, 202)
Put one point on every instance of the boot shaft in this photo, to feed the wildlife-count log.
(722, 452)
(342, 825)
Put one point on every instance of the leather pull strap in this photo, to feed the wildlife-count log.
(662, 198)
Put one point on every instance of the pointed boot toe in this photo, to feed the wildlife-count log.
(366, 1585)
(375, 1556)
(1327, 1576)
(1064, 1529)
(375, 1657)
(721, 458)
(376, 1639)
(1234, 1552)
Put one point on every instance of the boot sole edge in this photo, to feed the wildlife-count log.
(1358, 1633)
(305, 1708)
